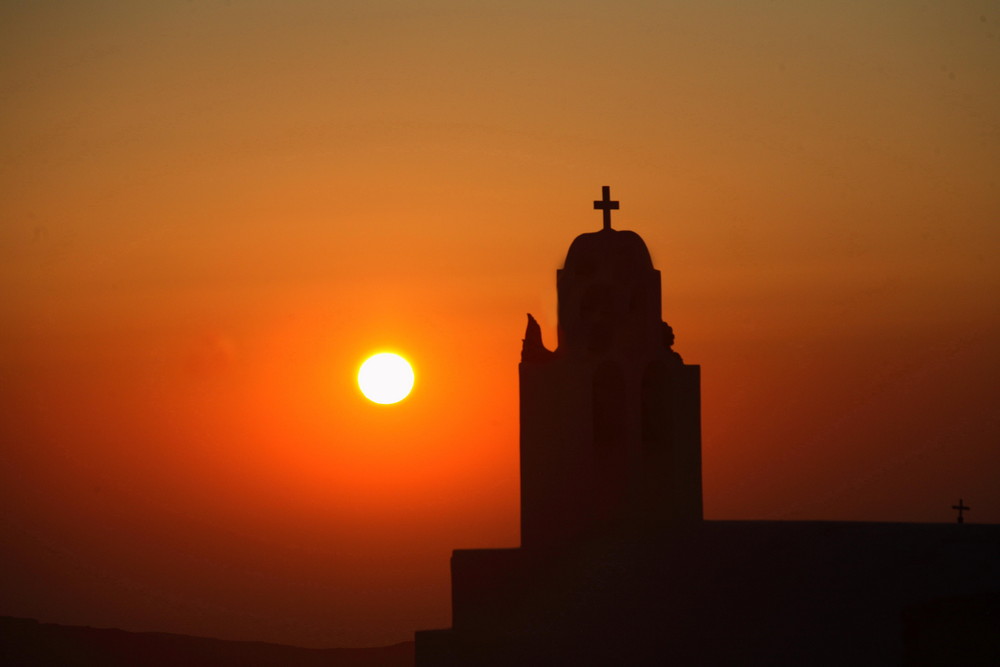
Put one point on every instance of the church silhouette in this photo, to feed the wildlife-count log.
(617, 565)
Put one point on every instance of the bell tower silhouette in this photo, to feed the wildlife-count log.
(611, 419)
(616, 565)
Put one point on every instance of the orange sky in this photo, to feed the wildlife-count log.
(213, 211)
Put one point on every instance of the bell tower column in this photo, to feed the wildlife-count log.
(611, 419)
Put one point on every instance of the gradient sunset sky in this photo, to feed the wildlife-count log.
(212, 212)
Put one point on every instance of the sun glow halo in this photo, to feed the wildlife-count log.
(385, 378)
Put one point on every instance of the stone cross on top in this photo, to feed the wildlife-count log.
(605, 204)
(961, 507)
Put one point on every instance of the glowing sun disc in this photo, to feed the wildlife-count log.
(385, 378)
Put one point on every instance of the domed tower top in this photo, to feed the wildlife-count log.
(615, 247)
(609, 292)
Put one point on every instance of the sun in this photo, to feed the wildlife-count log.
(385, 378)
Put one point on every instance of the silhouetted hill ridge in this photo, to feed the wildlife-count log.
(27, 642)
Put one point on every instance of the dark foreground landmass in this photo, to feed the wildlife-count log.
(26, 643)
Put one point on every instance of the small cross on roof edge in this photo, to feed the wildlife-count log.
(961, 507)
